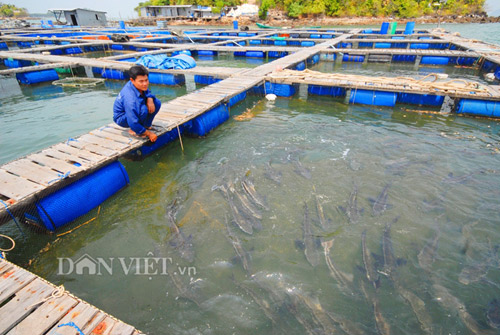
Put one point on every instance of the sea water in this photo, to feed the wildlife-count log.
(440, 172)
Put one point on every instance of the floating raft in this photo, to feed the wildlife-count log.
(31, 305)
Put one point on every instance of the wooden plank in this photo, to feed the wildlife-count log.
(105, 327)
(66, 157)
(90, 156)
(94, 148)
(122, 328)
(12, 281)
(81, 315)
(31, 171)
(45, 316)
(106, 143)
(15, 187)
(126, 139)
(23, 304)
(54, 163)
(4, 266)
(96, 324)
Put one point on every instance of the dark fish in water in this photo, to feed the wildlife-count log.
(346, 325)
(272, 173)
(310, 250)
(183, 244)
(398, 167)
(183, 291)
(450, 302)
(418, 306)
(383, 327)
(493, 314)
(380, 204)
(352, 211)
(319, 314)
(341, 277)
(452, 179)
(427, 255)
(325, 224)
(301, 169)
(390, 261)
(247, 210)
(476, 272)
(371, 274)
(238, 218)
(468, 238)
(241, 253)
(264, 305)
(252, 193)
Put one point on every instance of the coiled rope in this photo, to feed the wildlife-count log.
(57, 293)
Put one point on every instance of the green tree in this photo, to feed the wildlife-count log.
(264, 7)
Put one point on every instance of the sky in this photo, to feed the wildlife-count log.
(124, 9)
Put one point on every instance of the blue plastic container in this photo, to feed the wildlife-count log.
(235, 25)
(346, 45)
(13, 63)
(122, 24)
(307, 43)
(353, 58)
(326, 90)
(240, 54)
(301, 66)
(410, 26)
(404, 58)
(116, 47)
(382, 45)
(479, 107)
(149, 147)
(313, 60)
(207, 53)
(237, 98)
(113, 74)
(326, 36)
(255, 54)
(203, 124)
(3, 46)
(205, 80)
(365, 44)
(255, 42)
(280, 43)
(35, 77)
(130, 59)
(82, 196)
(76, 50)
(419, 45)
(277, 54)
(166, 79)
(243, 34)
(315, 36)
(384, 28)
(435, 60)
(420, 99)
(377, 98)
(281, 90)
(181, 52)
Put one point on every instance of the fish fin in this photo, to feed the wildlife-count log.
(401, 262)
(300, 244)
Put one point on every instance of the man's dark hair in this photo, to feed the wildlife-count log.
(137, 70)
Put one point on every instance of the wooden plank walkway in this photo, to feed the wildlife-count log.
(32, 305)
(451, 88)
(43, 172)
(413, 52)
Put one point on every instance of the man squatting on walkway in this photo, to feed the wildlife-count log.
(136, 107)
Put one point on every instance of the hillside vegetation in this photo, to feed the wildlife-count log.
(7, 10)
(343, 8)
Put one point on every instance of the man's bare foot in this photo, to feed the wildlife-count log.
(131, 132)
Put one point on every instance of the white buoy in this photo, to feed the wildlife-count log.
(490, 76)
(271, 97)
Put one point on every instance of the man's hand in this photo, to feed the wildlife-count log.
(151, 105)
(152, 136)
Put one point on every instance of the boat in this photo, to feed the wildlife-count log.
(264, 26)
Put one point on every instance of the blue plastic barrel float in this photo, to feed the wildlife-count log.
(301, 66)
(207, 53)
(80, 197)
(369, 97)
(307, 43)
(326, 90)
(150, 147)
(240, 54)
(113, 74)
(166, 79)
(203, 124)
(435, 60)
(384, 28)
(255, 54)
(479, 107)
(181, 52)
(313, 60)
(14, 63)
(382, 45)
(280, 43)
(404, 58)
(281, 90)
(4, 46)
(74, 50)
(326, 36)
(353, 58)
(35, 77)
(420, 99)
(255, 42)
(410, 26)
(205, 80)
(277, 54)
(237, 98)
(419, 45)
(116, 47)
(365, 44)
(315, 36)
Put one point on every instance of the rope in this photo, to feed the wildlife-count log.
(61, 176)
(71, 140)
(11, 240)
(57, 293)
(72, 324)
(13, 218)
(83, 224)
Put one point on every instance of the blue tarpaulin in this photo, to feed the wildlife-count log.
(164, 62)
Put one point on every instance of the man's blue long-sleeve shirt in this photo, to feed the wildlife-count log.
(132, 104)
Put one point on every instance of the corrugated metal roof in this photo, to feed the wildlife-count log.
(74, 9)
